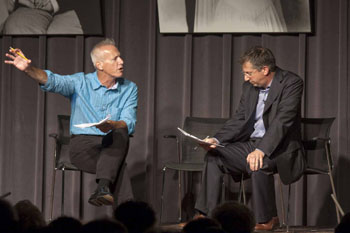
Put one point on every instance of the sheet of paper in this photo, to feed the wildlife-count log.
(201, 141)
(86, 125)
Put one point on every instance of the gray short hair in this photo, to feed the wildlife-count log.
(95, 55)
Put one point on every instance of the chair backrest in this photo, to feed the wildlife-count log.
(62, 144)
(201, 128)
(317, 151)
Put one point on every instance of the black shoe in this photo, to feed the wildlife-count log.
(101, 196)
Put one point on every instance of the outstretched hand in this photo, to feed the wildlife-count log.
(17, 59)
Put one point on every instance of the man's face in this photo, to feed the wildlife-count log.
(258, 78)
(112, 63)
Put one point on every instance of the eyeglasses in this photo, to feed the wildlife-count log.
(249, 73)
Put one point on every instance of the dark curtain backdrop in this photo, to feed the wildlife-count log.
(178, 76)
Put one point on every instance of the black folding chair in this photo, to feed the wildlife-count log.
(61, 157)
(317, 145)
(190, 156)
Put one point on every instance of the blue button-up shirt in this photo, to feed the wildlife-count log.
(92, 102)
(259, 127)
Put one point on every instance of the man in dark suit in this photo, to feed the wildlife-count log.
(262, 138)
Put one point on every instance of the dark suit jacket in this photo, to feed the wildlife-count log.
(281, 116)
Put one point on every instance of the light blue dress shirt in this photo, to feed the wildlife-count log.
(259, 127)
(91, 102)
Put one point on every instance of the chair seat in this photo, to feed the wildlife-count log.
(185, 166)
(66, 166)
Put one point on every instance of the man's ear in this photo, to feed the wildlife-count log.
(266, 70)
(99, 65)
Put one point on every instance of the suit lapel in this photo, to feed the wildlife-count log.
(275, 89)
(253, 100)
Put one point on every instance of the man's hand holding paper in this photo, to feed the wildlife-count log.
(207, 146)
(207, 143)
(86, 125)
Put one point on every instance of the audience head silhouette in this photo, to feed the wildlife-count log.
(202, 225)
(8, 219)
(137, 216)
(105, 226)
(30, 217)
(344, 225)
(64, 224)
(234, 217)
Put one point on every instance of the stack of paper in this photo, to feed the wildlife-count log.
(86, 125)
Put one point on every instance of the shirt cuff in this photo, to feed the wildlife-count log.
(260, 150)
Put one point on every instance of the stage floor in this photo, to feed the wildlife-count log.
(298, 229)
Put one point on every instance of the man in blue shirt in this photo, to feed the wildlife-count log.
(95, 96)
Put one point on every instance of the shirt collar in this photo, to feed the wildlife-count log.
(97, 84)
(267, 88)
(115, 86)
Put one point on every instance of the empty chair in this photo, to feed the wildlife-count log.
(317, 145)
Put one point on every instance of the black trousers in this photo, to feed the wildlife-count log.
(104, 156)
(232, 160)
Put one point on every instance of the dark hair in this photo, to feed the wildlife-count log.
(259, 57)
(64, 224)
(234, 217)
(8, 219)
(30, 217)
(344, 225)
(137, 216)
(104, 225)
(202, 225)
(160, 229)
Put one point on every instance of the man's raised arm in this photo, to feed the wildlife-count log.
(19, 61)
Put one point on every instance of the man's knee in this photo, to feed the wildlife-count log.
(214, 162)
(121, 133)
(116, 138)
(121, 137)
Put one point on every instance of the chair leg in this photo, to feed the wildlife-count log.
(242, 191)
(329, 159)
(334, 196)
(62, 200)
(179, 189)
(282, 202)
(287, 221)
(223, 196)
(81, 203)
(162, 196)
(337, 205)
(52, 192)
